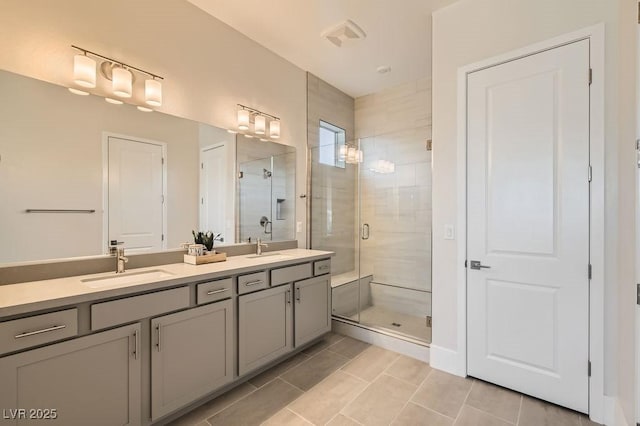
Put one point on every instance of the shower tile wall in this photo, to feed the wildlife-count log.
(336, 191)
(394, 125)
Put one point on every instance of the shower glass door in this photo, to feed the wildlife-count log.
(394, 182)
(254, 199)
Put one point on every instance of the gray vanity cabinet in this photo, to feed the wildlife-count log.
(312, 308)
(92, 380)
(265, 329)
(191, 355)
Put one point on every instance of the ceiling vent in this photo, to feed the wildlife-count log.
(347, 30)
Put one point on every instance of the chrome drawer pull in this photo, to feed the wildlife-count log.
(222, 290)
(323, 268)
(135, 344)
(44, 330)
(256, 282)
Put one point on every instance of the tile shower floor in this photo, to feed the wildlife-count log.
(409, 325)
(342, 381)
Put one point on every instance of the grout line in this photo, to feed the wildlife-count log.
(520, 409)
(465, 401)
(289, 383)
(410, 400)
(233, 403)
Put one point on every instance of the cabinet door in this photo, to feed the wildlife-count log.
(191, 355)
(92, 380)
(312, 308)
(265, 329)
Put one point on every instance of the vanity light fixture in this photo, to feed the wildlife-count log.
(122, 77)
(122, 81)
(84, 70)
(260, 125)
(350, 154)
(243, 119)
(274, 129)
(153, 92)
(245, 115)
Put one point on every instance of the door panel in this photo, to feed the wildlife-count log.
(265, 330)
(191, 355)
(312, 309)
(136, 194)
(528, 219)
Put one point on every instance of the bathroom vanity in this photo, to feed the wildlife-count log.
(136, 348)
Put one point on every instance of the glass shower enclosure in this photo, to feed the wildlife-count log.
(372, 206)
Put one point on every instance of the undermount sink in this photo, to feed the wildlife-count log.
(126, 278)
(269, 254)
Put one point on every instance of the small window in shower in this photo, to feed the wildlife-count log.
(331, 139)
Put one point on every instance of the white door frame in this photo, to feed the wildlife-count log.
(105, 185)
(595, 34)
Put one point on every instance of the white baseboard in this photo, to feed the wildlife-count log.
(382, 339)
(613, 414)
(446, 360)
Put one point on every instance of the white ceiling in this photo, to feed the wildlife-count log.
(398, 35)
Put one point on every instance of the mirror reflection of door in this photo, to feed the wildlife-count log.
(255, 189)
(213, 190)
(136, 194)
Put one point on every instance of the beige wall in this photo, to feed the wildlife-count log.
(472, 30)
(208, 66)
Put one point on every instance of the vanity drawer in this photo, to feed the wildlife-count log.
(107, 314)
(37, 330)
(214, 290)
(290, 274)
(321, 267)
(252, 282)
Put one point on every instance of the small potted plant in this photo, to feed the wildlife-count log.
(206, 238)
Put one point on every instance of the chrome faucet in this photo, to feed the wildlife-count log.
(259, 246)
(118, 252)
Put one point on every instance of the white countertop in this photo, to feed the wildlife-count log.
(16, 299)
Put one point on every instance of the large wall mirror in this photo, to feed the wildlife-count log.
(77, 172)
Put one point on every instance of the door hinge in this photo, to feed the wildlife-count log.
(429, 321)
(638, 294)
(590, 76)
(465, 263)
(162, 199)
(162, 160)
(202, 201)
(590, 172)
(202, 166)
(589, 369)
(589, 271)
(162, 237)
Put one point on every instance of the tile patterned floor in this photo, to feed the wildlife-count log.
(342, 381)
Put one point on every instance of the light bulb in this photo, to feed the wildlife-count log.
(84, 71)
(274, 129)
(260, 125)
(153, 92)
(122, 82)
(243, 119)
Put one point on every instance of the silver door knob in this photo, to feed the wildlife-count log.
(475, 264)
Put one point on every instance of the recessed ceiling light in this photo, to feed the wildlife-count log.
(113, 101)
(233, 132)
(383, 69)
(144, 109)
(78, 92)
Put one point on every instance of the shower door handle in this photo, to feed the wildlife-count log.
(365, 231)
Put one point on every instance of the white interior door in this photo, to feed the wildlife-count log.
(213, 188)
(136, 194)
(528, 220)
